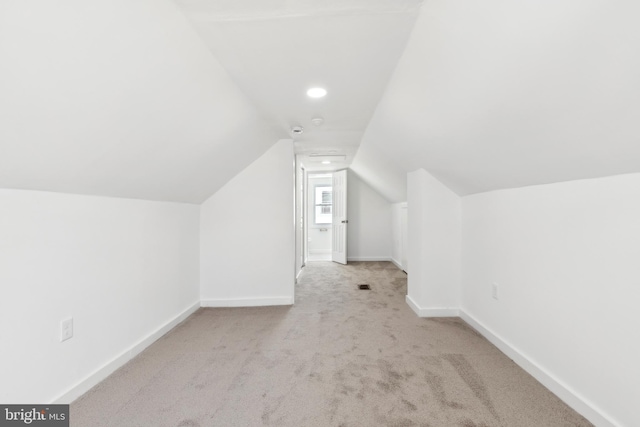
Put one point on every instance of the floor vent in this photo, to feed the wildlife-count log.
(364, 287)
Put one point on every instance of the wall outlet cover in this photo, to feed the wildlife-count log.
(66, 329)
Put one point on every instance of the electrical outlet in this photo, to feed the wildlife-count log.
(66, 329)
(494, 290)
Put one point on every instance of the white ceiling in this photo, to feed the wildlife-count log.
(499, 94)
(274, 50)
(118, 98)
(169, 99)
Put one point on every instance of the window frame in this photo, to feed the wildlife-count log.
(316, 205)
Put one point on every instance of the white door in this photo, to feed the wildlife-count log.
(339, 223)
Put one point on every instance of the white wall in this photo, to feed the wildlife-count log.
(369, 228)
(399, 235)
(247, 235)
(434, 215)
(566, 260)
(375, 167)
(123, 269)
(319, 239)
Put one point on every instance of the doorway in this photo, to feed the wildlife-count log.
(319, 206)
(326, 217)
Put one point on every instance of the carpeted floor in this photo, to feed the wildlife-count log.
(339, 357)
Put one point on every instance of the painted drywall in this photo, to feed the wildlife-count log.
(123, 269)
(119, 98)
(319, 239)
(434, 226)
(369, 228)
(247, 254)
(399, 235)
(379, 171)
(565, 258)
(500, 94)
(261, 43)
(318, 235)
(300, 234)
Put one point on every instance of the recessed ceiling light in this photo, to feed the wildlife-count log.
(316, 92)
(326, 162)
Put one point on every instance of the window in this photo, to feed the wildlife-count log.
(323, 201)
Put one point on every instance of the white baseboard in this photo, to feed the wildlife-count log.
(368, 258)
(431, 312)
(397, 263)
(101, 373)
(246, 302)
(564, 392)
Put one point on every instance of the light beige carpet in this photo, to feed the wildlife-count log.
(339, 357)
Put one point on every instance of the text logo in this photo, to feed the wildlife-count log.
(34, 415)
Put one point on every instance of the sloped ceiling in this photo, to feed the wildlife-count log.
(274, 50)
(168, 100)
(499, 94)
(118, 98)
(381, 173)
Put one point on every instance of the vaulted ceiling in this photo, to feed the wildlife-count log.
(119, 98)
(275, 50)
(168, 100)
(501, 94)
